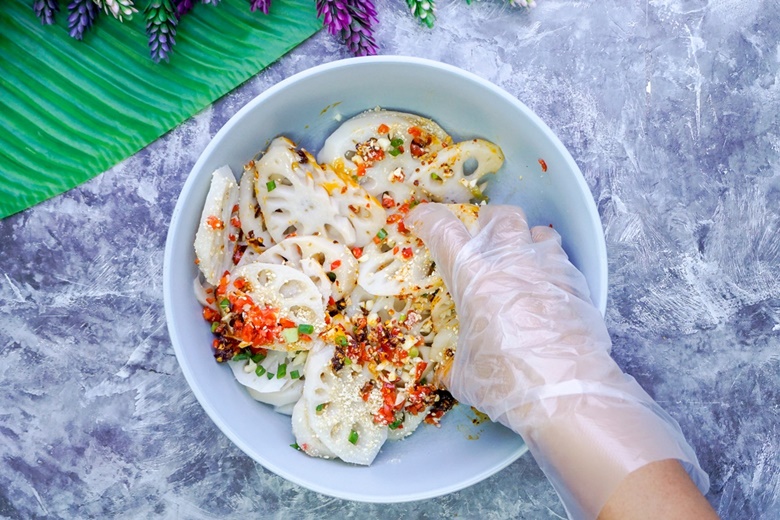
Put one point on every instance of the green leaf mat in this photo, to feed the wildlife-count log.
(70, 110)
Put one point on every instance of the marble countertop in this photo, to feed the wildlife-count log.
(672, 110)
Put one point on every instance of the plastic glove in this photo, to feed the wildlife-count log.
(533, 354)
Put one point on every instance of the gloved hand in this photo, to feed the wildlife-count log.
(533, 354)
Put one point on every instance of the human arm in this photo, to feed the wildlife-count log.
(660, 489)
(533, 354)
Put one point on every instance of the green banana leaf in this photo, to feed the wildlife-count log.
(72, 109)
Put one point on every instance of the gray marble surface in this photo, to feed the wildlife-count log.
(672, 110)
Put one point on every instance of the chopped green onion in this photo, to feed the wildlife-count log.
(331, 276)
(305, 328)
(269, 375)
(281, 370)
(476, 192)
(381, 234)
(260, 370)
(270, 186)
(395, 424)
(214, 326)
(241, 356)
(341, 340)
(401, 318)
(347, 361)
(320, 407)
(435, 177)
(395, 143)
(353, 437)
(295, 374)
(413, 352)
(257, 358)
(394, 152)
(224, 304)
(290, 335)
(294, 445)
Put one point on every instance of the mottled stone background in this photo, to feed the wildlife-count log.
(672, 110)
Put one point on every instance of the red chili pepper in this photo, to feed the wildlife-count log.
(357, 252)
(287, 324)
(214, 222)
(235, 222)
(387, 201)
(395, 217)
(383, 129)
(415, 131)
(335, 265)
(419, 369)
(407, 253)
(238, 252)
(543, 165)
(365, 392)
(211, 315)
(223, 283)
(361, 169)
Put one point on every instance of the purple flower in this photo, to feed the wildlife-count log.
(352, 21)
(263, 5)
(359, 39)
(335, 15)
(359, 35)
(45, 10)
(82, 14)
(183, 7)
(161, 20)
(364, 11)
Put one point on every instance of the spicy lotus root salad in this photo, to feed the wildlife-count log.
(320, 299)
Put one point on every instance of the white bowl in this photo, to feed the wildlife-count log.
(306, 108)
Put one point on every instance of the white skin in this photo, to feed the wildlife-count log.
(533, 354)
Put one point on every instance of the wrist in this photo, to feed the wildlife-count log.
(587, 444)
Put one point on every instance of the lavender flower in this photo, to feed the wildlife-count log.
(423, 11)
(335, 15)
(119, 9)
(183, 7)
(263, 5)
(363, 10)
(359, 40)
(45, 10)
(82, 14)
(161, 20)
(352, 21)
(358, 35)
